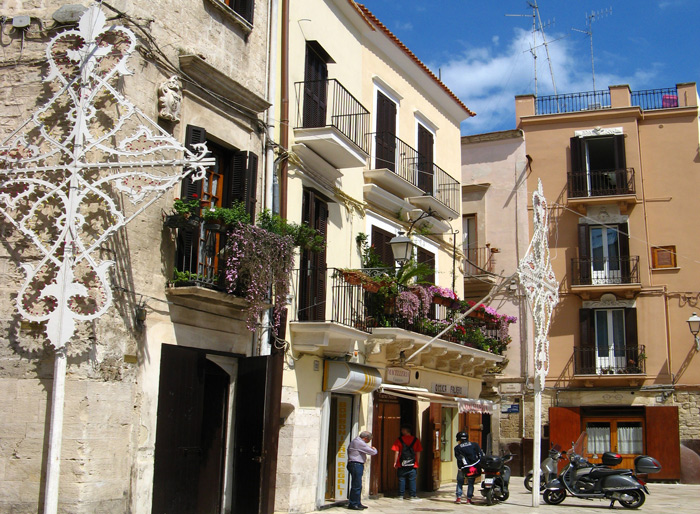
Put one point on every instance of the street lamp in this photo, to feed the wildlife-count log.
(402, 248)
(694, 326)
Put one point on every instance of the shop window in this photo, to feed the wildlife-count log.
(663, 257)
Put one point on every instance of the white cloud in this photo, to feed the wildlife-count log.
(401, 25)
(487, 79)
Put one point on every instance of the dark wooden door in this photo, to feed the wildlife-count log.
(387, 429)
(433, 451)
(315, 89)
(426, 170)
(190, 434)
(312, 269)
(662, 440)
(564, 428)
(386, 133)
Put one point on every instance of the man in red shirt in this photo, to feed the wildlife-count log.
(407, 450)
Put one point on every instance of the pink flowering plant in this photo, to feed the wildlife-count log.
(259, 260)
(444, 292)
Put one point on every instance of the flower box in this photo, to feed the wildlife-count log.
(354, 278)
(441, 300)
(184, 222)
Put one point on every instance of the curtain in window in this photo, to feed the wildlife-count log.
(629, 438)
(598, 437)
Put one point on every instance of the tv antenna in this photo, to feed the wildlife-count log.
(537, 26)
(590, 18)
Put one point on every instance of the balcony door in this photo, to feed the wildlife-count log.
(605, 256)
(599, 165)
(610, 340)
(385, 151)
(315, 86)
(312, 269)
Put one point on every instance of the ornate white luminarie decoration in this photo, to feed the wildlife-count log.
(170, 99)
(65, 171)
(81, 167)
(541, 287)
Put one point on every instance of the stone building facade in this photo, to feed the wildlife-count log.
(201, 69)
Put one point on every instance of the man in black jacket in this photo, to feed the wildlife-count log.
(468, 456)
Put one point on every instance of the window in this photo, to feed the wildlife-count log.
(608, 342)
(663, 257)
(624, 437)
(244, 8)
(604, 255)
(598, 166)
(232, 178)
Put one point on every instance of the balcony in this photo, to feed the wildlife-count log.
(596, 187)
(351, 304)
(332, 123)
(647, 100)
(605, 360)
(609, 274)
(479, 265)
(400, 170)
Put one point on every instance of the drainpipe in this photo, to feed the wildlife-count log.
(284, 104)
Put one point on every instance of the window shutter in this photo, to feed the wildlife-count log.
(380, 241)
(193, 135)
(578, 155)
(631, 340)
(237, 179)
(584, 254)
(619, 144)
(319, 261)
(428, 258)
(425, 159)
(245, 9)
(187, 252)
(251, 185)
(625, 264)
(586, 361)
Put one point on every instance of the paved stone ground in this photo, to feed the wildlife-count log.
(664, 499)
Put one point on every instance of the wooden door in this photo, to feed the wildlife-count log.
(435, 440)
(663, 441)
(386, 428)
(190, 435)
(385, 152)
(470, 423)
(564, 427)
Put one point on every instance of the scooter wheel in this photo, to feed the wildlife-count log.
(490, 500)
(528, 481)
(503, 496)
(636, 502)
(554, 497)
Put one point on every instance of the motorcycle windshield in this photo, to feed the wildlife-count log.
(580, 447)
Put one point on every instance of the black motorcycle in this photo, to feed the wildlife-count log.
(494, 485)
(582, 479)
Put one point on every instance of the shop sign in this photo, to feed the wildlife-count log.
(510, 409)
(395, 375)
(448, 389)
(342, 437)
(350, 378)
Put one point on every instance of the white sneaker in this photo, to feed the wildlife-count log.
(415, 499)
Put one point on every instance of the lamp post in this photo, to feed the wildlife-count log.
(694, 326)
(402, 248)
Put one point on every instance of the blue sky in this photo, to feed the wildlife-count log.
(485, 58)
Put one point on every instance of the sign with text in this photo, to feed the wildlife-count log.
(510, 409)
(448, 389)
(396, 375)
(342, 438)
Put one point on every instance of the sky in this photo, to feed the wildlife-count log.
(485, 57)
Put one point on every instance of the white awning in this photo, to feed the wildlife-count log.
(420, 393)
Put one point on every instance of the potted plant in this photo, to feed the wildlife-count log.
(217, 219)
(186, 278)
(185, 215)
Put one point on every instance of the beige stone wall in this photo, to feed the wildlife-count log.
(688, 403)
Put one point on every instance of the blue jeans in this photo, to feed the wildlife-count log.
(460, 483)
(410, 475)
(354, 494)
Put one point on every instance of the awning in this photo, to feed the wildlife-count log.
(420, 393)
(348, 377)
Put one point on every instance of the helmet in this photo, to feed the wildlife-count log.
(462, 436)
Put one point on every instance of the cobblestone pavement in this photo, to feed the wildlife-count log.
(664, 498)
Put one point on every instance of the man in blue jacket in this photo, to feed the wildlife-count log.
(468, 457)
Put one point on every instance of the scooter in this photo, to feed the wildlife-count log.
(582, 479)
(548, 468)
(494, 485)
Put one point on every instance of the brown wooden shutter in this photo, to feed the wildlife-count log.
(250, 189)
(315, 85)
(428, 258)
(564, 427)
(186, 258)
(432, 442)
(386, 133)
(193, 135)
(619, 148)
(631, 339)
(662, 440)
(319, 261)
(425, 159)
(584, 255)
(578, 154)
(586, 355)
(380, 242)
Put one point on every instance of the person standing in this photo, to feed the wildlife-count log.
(358, 450)
(468, 456)
(407, 450)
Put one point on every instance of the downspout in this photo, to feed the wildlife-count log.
(284, 104)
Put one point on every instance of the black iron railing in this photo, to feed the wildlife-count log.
(601, 183)
(200, 258)
(610, 271)
(606, 360)
(478, 260)
(650, 99)
(326, 103)
(390, 152)
(573, 102)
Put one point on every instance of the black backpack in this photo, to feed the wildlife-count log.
(407, 459)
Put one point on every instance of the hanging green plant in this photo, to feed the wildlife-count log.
(226, 216)
(303, 236)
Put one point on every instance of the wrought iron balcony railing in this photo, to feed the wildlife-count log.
(647, 100)
(390, 152)
(650, 99)
(200, 257)
(478, 260)
(326, 103)
(601, 183)
(610, 271)
(605, 360)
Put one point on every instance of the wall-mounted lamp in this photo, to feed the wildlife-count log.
(402, 248)
(694, 326)
(140, 315)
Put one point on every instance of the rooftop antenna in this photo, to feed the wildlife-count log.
(537, 26)
(590, 18)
